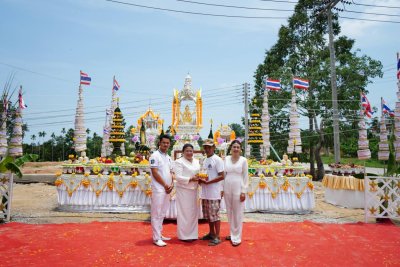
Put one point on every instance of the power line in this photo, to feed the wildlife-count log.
(370, 5)
(234, 88)
(193, 13)
(238, 7)
(280, 1)
(224, 97)
(376, 20)
(372, 13)
(278, 9)
(95, 119)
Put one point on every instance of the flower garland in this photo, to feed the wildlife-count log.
(285, 186)
(100, 184)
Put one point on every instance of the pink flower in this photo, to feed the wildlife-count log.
(151, 138)
(220, 140)
(135, 139)
(195, 137)
(177, 137)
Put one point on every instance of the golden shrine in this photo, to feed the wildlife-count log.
(223, 136)
(153, 125)
(187, 112)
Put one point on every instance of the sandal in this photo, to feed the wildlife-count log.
(228, 237)
(214, 242)
(207, 237)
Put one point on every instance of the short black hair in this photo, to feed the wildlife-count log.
(163, 136)
(186, 146)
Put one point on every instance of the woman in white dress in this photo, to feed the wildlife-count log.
(186, 170)
(235, 188)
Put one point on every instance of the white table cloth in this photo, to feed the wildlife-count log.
(127, 194)
(344, 191)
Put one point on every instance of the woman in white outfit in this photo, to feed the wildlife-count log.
(235, 188)
(186, 170)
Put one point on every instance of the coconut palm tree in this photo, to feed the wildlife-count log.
(53, 137)
(43, 150)
(63, 131)
(33, 138)
(39, 142)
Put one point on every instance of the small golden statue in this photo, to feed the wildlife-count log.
(187, 115)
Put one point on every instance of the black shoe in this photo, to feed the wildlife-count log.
(207, 237)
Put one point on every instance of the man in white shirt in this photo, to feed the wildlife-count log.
(211, 192)
(161, 184)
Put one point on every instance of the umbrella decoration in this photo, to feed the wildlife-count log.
(80, 130)
(397, 113)
(363, 151)
(15, 148)
(383, 153)
(294, 143)
(265, 151)
(3, 128)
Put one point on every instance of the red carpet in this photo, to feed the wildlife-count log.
(127, 243)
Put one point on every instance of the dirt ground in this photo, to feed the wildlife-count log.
(36, 203)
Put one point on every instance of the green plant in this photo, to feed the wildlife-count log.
(13, 165)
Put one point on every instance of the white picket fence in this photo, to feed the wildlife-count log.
(382, 197)
(6, 190)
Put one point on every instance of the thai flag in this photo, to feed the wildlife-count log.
(386, 109)
(22, 104)
(85, 79)
(274, 85)
(300, 83)
(366, 105)
(116, 85)
(398, 68)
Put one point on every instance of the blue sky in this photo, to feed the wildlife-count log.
(45, 44)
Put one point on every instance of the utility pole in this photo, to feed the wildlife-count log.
(336, 141)
(246, 116)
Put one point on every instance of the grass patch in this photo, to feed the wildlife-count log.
(373, 163)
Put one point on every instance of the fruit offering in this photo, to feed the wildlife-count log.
(203, 176)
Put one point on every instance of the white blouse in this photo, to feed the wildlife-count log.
(184, 170)
(238, 170)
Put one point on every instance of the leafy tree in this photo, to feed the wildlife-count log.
(301, 50)
(238, 129)
(63, 131)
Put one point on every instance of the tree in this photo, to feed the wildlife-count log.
(238, 129)
(301, 50)
(43, 135)
(63, 131)
(33, 138)
(53, 137)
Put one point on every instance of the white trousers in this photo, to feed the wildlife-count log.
(235, 213)
(159, 206)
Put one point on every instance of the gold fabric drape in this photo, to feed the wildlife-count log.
(343, 182)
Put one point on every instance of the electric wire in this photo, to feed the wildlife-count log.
(194, 13)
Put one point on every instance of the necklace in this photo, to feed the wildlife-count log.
(234, 160)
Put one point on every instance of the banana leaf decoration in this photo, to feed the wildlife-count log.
(9, 164)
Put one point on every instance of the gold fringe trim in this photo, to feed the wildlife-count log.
(343, 182)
